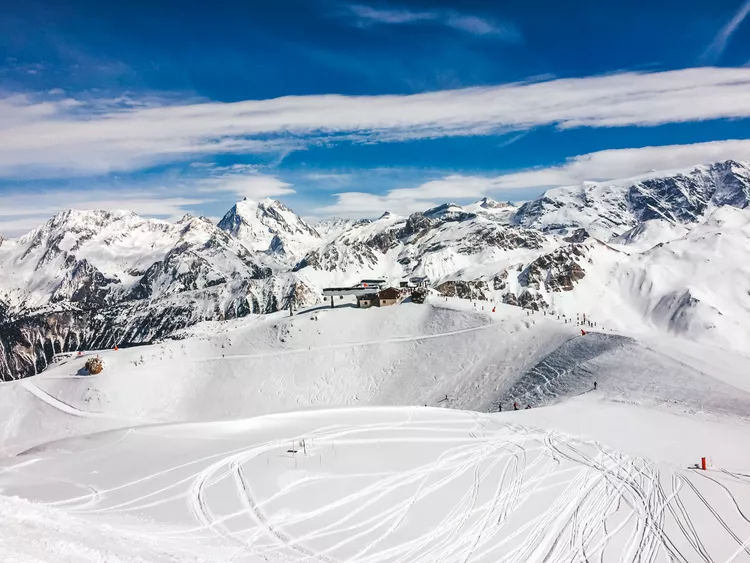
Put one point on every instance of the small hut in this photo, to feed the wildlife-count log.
(389, 296)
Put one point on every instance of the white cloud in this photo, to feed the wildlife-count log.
(479, 26)
(599, 166)
(454, 186)
(367, 15)
(55, 138)
(625, 163)
(720, 42)
(19, 213)
(391, 16)
(356, 205)
(252, 186)
(330, 178)
(17, 226)
(153, 203)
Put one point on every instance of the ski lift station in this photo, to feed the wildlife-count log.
(364, 287)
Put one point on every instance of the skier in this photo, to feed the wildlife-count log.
(595, 385)
(528, 407)
(515, 405)
(500, 407)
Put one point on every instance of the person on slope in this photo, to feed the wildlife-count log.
(528, 407)
(595, 384)
(515, 405)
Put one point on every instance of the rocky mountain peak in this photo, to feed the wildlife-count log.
(489, 203)
(612, 208)
(269, 226)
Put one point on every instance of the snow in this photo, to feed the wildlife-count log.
(260, 225)
(374, 435)
(379, 484)
(331, 228)
(120, 245)
(34, 533)
(607, 210)
(318, 358)
(649, 234)
(185, 445)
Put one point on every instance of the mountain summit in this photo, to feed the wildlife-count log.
(269, 226)
(608, 209)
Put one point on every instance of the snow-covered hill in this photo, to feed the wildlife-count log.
(405, 355)
(601, 473)
(410, 484)
(442, 243)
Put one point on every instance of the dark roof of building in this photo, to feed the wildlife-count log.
(390, 293)
(367, 297)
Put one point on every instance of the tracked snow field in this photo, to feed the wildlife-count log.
(157, 459)
(387, 485)
(629, 370)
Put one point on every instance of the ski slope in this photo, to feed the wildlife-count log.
(320, 358)
(327, 436)
(389, 484)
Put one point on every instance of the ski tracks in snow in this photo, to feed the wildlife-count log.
(344, 345)
(492, 492)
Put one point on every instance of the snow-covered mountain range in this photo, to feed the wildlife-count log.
(611, 208)
(663, 252)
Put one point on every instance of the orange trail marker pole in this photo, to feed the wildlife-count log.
(703, 463)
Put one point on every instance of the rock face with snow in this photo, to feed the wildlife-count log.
(611, 209)
(436, 244)
(269, 226)
(93, 278)
(330, 228)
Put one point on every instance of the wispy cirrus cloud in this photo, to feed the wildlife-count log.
(599, 166)
(54, 137)
(361, 204)
(365, 15)
(717, 47)
(252, 186)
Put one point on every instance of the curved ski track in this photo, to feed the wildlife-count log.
(505, 495)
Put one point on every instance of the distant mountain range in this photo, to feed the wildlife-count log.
(667, 252)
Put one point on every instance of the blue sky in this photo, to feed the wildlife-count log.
(352, 108)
